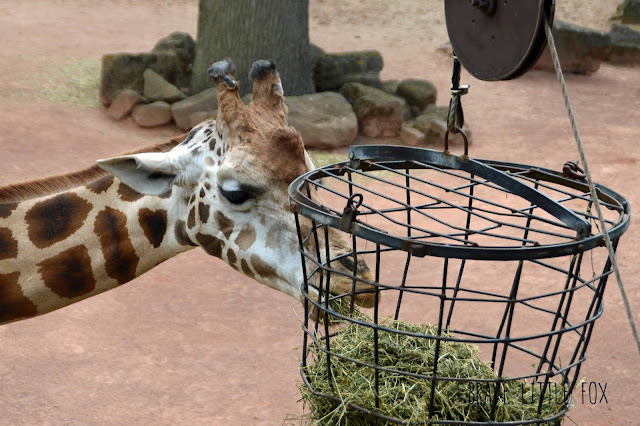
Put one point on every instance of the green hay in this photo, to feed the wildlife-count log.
(74, 83)
(408, 398)
(323, 158)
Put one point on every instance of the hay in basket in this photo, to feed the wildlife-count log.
(407, 398)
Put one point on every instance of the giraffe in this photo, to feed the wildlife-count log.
(223, 188)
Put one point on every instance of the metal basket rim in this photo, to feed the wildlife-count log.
(311, 210)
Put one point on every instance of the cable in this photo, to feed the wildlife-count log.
(592, 188)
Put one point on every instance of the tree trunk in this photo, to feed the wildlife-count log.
(248, 30)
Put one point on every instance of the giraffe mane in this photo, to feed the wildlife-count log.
(40, 187)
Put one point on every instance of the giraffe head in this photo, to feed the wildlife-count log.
(229, 181)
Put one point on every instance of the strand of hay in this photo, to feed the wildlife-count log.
(406, 397)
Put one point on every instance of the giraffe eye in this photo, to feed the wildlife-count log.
(237, 196)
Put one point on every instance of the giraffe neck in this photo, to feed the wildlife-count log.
(59, 249)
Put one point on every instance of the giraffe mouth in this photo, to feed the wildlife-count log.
(346, 293)
(360, 289)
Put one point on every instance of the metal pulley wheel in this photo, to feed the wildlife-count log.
(498, 39)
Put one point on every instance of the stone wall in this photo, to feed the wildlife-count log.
(152, 88)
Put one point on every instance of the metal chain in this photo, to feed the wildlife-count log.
(592, 188)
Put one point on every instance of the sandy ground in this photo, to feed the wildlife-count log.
(194, 342)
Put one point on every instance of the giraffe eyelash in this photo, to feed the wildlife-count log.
(236, 197)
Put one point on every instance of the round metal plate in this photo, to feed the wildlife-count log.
(502, 43)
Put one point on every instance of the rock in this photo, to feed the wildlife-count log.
(367, 78)
(184, 47)
(580, 49)
(200, 116)
(630, 12)
(419, 93)
(157, 88)
(207, 100)
(180, 43)
(124, 102)
(414, 111)
(151, 115)
(325, 120)
(332, 70)
(433, 124)
(315, 52)
(124, 71)
(390, 86)
(379, 113)
(625, 45)
(412, 136)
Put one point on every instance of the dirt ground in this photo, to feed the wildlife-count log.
(194, 342)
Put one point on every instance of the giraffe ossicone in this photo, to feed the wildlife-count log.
(223, 188)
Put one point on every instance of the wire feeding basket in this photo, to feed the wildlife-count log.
(505, 260)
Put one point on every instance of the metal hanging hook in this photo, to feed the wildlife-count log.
(572, 169)
(464, 137)
(352, 200)
(350, 211)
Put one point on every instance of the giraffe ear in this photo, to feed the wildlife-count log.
(150, 173)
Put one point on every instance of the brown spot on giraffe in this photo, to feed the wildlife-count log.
(120, 257)
(203, 211)
(69, 274)
(153, 224)
(262, 268)
(6, 209)
(202, 193)
(8, 245)
(246, 237)
(231, 256)
(224, 223)
(55, 219)
(210, 161)
(13, 303)
(191, 134)
(128, 194)
(210, 244)
(246, 269)
(180, 232)
(101, 185)
(191, 219)
(207, 185)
